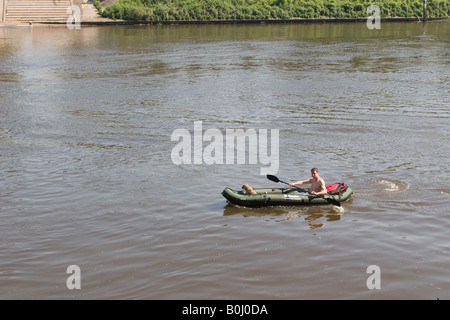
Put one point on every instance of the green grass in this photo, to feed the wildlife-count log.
(164, 10)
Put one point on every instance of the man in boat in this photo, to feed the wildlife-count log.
(318, 186)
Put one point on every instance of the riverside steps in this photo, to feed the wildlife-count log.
(35, 10)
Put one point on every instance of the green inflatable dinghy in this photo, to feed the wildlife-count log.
(338, 192)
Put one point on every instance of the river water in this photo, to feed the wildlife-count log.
(88, 178)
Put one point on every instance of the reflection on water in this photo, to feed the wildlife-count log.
(311, 214)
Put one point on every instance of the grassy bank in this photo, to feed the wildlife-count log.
(163, 10)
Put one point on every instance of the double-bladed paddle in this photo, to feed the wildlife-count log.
(330, 200)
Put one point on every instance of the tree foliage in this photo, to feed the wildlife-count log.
(164, 10)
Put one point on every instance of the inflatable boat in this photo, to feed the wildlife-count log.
(337, 193)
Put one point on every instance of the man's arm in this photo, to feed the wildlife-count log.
(299, 183)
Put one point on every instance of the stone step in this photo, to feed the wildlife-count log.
(41, 18)
(37, 6)
(50, 14)
(31, 10)
(37, 10)
(38, 17)
(13, 9)
(27, 2)
(47, 12)
(44, 5)
(36, 2)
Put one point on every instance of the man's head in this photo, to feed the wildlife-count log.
(315, 173)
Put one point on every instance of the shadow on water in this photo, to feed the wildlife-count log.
(314, 215)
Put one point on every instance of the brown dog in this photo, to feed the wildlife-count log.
(248, 189)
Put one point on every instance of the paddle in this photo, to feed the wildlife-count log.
(275, 179)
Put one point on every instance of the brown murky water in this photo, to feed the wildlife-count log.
(87, 178)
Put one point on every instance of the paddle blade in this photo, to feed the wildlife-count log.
(273, 178)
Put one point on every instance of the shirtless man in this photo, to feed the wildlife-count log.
(317, 183)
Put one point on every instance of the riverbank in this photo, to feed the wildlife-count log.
(96, 15)
(109, 22)
(267, 10)
(106, 22)
(132, 12)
